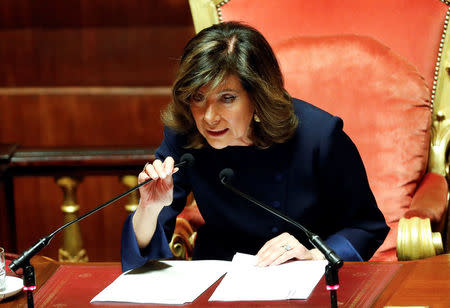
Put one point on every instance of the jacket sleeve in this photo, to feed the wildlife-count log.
(158, 248)
(133, 257)
(356, 226)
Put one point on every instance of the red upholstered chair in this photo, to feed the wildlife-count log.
(185, 233)
(381, 65)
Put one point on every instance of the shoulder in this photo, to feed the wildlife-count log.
(172, 136)
(315, 122)
(173, 144)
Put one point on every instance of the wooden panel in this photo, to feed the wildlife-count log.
(92, 13)
(84, 73)
(43, 165)
(103, 118)
(82, 119)
(132, 56)
(92, 42)
(38, 201)
(7, 217)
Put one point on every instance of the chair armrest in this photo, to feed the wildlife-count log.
(188, 221)
(430, 200)
(183, 239)
(415, 239)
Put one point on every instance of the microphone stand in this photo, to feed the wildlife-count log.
(334, 261)
(23, 261)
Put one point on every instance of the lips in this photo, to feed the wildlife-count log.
(217, 133)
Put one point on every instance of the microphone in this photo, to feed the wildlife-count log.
(334, 261)
(186, 160)
(227, 174)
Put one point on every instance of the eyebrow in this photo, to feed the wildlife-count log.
(228, 90)
(220, 92)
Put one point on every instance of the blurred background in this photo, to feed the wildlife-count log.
(82, 74)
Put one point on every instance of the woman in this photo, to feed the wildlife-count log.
(230, 110)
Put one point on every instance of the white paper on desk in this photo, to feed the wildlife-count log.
(247, 282)
(164, 282)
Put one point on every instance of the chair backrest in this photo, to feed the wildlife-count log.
(372, 63)
(412, 28)
(384, 103)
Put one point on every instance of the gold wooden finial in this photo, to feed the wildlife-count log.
(131, 181)
(416, 240)
(72, 250)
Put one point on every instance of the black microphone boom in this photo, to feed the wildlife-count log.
(334, 261)
(225, 177)
(185, 160)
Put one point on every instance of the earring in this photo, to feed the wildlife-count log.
(256, 118)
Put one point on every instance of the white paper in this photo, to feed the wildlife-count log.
(164, 282)
(247, 282)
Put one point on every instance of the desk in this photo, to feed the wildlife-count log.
(412, 283)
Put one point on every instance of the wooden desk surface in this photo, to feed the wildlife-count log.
(414, 283)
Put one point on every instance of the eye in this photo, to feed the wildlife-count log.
(228, 98)
(197, 97)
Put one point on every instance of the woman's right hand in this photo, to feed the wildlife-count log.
(158, 192)
(154, 196)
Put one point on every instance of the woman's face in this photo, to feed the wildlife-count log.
(223, 115)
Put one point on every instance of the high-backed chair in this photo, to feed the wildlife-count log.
(382, 66)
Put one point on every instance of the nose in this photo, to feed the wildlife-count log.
(211, 115)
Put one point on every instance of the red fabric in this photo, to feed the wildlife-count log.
(383, 102)
(412, 28)
(193, 215)
(430, 200)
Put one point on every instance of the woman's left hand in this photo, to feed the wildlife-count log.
(283, 248)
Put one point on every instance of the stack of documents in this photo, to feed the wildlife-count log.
(164, 282)
(179, 282)
(246, 282)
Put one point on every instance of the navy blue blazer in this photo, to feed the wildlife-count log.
(317, 178)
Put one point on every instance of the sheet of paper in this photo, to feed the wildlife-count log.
(164, 282)
(247, 282)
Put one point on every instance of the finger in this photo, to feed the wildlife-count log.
(285, 256)
(168, 165)
(150, 170)
(316, 254)
(276, 247)
(300, 252)
(142, 177)
(273, 251)
(263, 249)
(277, 241)
(159, 168)
(270, 256)
(288, 252)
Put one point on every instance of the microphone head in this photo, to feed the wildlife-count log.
(226, 175)
(187, 159)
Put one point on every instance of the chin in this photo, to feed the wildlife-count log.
(217, 145)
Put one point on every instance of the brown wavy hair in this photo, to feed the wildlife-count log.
(225, 49)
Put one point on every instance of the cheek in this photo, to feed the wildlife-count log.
(241, 123)
(196, 114)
